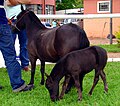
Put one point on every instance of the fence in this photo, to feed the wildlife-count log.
(88, 16)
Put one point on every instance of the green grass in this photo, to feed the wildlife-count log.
(111, 48)
(40, 96)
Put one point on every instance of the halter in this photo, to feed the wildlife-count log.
(15, 25)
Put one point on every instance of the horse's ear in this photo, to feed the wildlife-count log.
(22, 9)
(46, 75)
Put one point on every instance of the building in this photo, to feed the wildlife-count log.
(101, 27)
(42, 6)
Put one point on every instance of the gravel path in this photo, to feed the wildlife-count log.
(96, 41)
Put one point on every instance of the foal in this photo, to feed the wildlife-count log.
(76, 64)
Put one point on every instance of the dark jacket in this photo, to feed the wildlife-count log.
(3, 19)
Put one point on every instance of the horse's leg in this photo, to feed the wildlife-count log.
(42, 72)
(96, 79)
(66, 81)
(33, 66)
(77, 85)
(70, 84)
(103, 76)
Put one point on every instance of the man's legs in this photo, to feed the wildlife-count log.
(9, 55)
(23, 49)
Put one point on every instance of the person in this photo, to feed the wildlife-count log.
(8, 51)
(54, 23)
(13, 11)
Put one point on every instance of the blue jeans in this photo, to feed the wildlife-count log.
(8, 50)
(23, 47)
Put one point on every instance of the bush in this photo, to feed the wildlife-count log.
(117, 34)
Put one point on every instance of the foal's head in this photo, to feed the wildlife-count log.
(53, 88)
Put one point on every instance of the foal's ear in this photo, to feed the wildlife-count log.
(22, 9)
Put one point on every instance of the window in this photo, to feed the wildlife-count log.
(39, 9)
(103, 6)
(49, 9)
(36, 8)
(30, 7)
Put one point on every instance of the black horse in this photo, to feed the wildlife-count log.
(49, 45)
(76, 64)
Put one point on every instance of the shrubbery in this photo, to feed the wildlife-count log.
(117, 34)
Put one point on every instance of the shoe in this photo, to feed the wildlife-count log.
(1, 87)
(23, 88)
(28, 88)
(20, 88)
(26, 68)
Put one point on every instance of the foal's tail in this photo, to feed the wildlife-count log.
(101, 56)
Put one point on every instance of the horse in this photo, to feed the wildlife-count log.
(77, 64)
(48, 45)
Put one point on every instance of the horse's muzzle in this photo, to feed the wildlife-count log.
(54, 98)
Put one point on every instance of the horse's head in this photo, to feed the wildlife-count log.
(20, 22)
(25, 19)
(53, 88)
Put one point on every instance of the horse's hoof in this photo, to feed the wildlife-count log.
(60, 97)
(89, 94)
(106, 89)
(79, 99)
(1, 87)
(68, 89)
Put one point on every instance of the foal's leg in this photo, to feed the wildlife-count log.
(96, 79)
(81, 81)
(70, 84)
(103, 76)
(77, 85)
(66, 81)
(42, 72)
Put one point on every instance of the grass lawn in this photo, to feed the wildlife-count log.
(40, 96)
(111, 48)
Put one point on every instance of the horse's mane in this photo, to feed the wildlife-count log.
(36, 19)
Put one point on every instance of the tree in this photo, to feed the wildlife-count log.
(68, 4)
(78, 4)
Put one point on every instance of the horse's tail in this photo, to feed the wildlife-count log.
(101, 56)
(83, 39)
